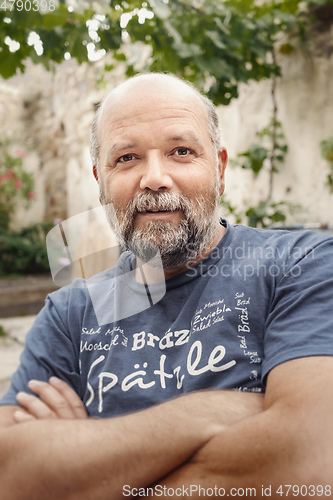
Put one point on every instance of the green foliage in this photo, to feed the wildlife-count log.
(15, 183)
(267, 213)
(274, 133)
(59, 30)
(229, 208)
(272, 148)
(3, 332)
(326, 148)
(253, 158)
(215, 44)
(24, 251)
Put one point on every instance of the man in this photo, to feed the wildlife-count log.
(244, 309)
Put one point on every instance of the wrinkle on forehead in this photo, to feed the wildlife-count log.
(160, 117)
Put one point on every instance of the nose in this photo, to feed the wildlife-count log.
(155, 175)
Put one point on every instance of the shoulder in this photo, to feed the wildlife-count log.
(280, 236)
(283, 244)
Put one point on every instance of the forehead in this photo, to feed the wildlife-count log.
(155, 106)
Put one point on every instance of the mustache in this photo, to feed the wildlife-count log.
(145, 202)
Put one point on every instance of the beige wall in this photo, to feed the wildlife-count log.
(305, 108)
(48, 116)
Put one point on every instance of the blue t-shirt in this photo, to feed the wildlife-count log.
(261, 298)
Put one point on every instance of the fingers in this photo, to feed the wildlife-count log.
(33, 406)
(56, 400)
(72, 399)
(21, 417)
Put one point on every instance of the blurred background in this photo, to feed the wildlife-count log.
(267, 65)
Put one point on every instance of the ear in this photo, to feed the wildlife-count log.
(95, 173)
(223, 160)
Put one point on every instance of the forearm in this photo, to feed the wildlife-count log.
(251, 457)
(76, 459)
(247, 455)
(290, 442)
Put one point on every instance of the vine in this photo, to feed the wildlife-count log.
(326, 147)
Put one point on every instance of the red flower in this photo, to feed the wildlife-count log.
(31, 195)
(7, 175)
(20, 153)
(18, 184)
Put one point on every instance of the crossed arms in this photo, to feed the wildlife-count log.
(224, 438)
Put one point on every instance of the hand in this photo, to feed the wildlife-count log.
(56, 400)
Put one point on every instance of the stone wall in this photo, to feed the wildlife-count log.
(48, 115)
(305, 109)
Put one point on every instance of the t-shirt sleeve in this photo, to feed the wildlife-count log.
(49, 349)
(300, 319)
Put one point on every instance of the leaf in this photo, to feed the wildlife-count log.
(173, 33)
(254, 157)
(286, 49)
(216, 39)
(326, 147)
(161, 9)
(56, 18)
(10, 62)
(77, 47)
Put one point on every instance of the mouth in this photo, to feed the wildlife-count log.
(158, 210)
(157, 213)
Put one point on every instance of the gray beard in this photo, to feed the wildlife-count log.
(174, 246)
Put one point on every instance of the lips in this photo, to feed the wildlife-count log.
(157, 214)
(158, 210)
(155, 210)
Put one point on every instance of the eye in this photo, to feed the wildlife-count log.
(183, 152)
(125, 158)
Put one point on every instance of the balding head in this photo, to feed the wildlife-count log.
(142, 87)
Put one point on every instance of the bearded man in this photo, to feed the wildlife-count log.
(175, 204)
(212, 380)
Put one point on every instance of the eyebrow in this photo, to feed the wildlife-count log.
(187, 136)
(117, 148)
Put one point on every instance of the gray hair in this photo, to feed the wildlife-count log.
(94, 145)
(213, 121)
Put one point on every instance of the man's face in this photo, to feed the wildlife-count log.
(159, 173)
